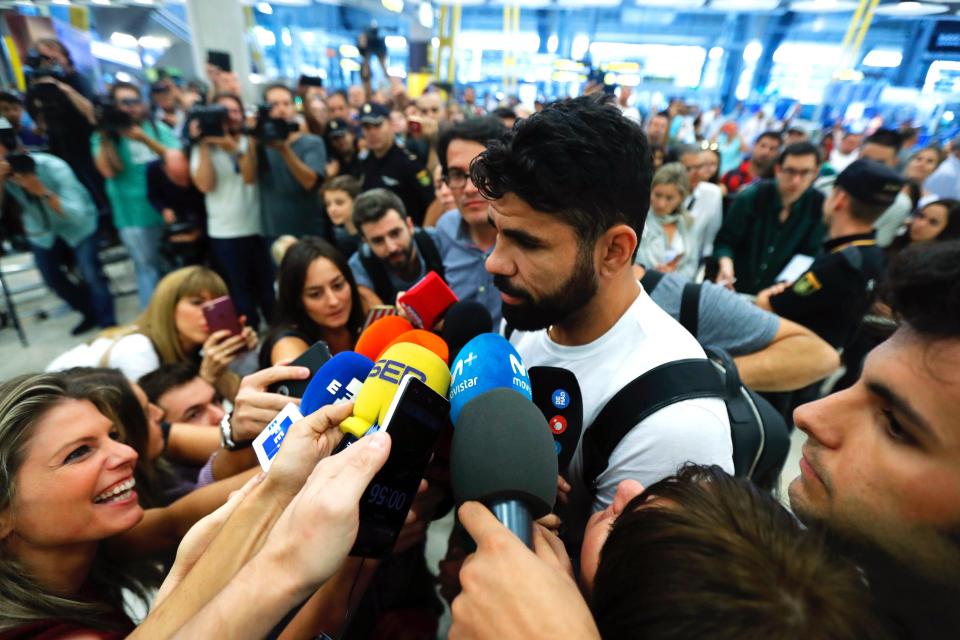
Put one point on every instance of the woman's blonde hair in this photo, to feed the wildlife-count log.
(24, 400)
(157, 320)
(676, 174)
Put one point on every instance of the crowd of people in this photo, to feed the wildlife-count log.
(597, 244)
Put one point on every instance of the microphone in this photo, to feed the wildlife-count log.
(339, 380)
(376, 394)
(463, 322)
(503, 456)
(556, 393)
(378, 335)
(486, 362)
(427, 301)
(427, 339)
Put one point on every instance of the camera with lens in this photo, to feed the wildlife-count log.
(20, 162)
(112, 120)
(211, 119)
(38, 66)
(271, 129)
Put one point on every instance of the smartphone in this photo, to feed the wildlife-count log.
(313, 358)
(378, 311)
(221, 314)
(219, 59)
(414, 421)
(414, 127)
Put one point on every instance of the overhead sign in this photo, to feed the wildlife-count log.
(945, 37)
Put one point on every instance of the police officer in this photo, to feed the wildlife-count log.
(342, 142)
(832, 296)
(390, 166)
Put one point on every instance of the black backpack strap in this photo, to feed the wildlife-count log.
(378, 275)
(650, 280)
(428, 249)
(690, 307)
(662, 386)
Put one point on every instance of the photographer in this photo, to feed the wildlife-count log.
(224, 169)
(59, 100)
(127, 141)
(61, 223)
(290, 170)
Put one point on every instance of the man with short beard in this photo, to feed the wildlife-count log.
(881, 465)
(759, 165)
(569, 190)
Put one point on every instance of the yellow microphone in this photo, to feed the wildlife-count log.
(376, 394)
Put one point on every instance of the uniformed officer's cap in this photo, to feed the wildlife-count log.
(373, 113)
(338, 127)
(870, 182)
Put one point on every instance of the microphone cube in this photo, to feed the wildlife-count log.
(427, 301)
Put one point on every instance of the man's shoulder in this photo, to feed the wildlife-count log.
(449, 223)
(709, 190)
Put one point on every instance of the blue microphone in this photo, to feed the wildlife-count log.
(486, 362)
(338, 380)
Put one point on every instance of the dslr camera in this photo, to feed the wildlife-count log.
(37, 66)
(20, 162)
(211, 118)
(272, 129)
(112, 120)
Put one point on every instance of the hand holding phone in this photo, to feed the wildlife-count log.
(414, 421)
(313, 358)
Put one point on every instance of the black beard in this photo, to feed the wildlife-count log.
(555, 308)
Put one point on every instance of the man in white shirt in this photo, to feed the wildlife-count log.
(705, 202)
(569, 191)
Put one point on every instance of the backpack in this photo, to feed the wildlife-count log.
(761, 439)
(378, 273)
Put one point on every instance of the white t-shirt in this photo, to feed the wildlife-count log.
(706, 209)
(134, 355)
(688, 431)
(233, 207)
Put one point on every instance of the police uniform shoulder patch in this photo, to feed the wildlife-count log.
(807, 284)
(423, 177)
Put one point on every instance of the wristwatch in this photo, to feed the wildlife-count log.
(226, 436)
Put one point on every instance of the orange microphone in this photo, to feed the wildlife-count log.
(431, 341)
(380, 334)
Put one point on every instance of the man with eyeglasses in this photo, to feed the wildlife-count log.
(122, 149)
(465, 236)
(392, 167)
(831, 297)
(705, 202)
(771, 221)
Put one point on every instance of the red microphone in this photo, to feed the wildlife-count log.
(427, 301)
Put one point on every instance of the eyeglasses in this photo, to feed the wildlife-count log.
(455, 178)
(130, 102)
(798, 173)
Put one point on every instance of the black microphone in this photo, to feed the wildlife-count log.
(556, 393)
(503, 456)
(463, 322)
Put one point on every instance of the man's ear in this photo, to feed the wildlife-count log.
(409, 224)
(616, 247)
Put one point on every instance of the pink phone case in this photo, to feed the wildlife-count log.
(221, 314)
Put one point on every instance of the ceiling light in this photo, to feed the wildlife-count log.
(823, 6)
(264, 8)
(906, 9)
(124, 40)
(744, 5)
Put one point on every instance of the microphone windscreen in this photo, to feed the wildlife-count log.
(378, 335)
(464, 322)
(427, 339)
(339, 380)
(380, 386)
(503, 450)
(486, 362)
(427, 301)
(556, 392)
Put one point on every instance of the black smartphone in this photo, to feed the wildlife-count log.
(414, 421)
(313, 358)
(219, 59)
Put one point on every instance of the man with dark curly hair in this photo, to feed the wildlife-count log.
(881, 465)
(569, 189)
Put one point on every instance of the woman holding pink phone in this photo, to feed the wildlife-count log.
(173, 328)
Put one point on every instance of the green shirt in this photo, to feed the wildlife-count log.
(78, 218)
(128, 189)
(760, 246)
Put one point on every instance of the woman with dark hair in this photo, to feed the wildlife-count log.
(711, 163)
(934, 222)
(920, 166)
(317, 299)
